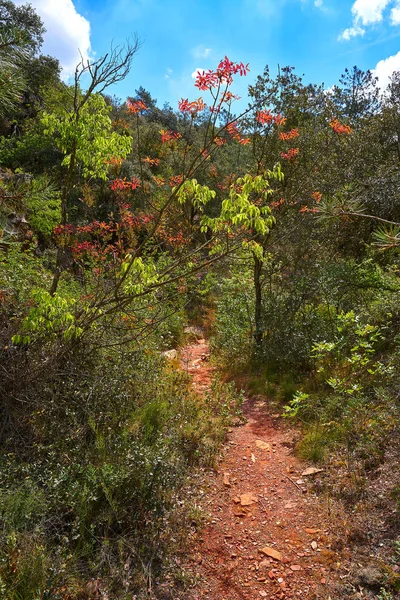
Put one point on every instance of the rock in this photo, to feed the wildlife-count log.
(311, 531)
(272, 553)
(226, 480)
(311, 471)
(247, 499)
(262, 445)
(170, 354)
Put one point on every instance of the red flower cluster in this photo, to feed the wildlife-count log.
(223, 74)
(265, 117)
(277, 203)
(113, 161)
(179, 239)
(305, 209)
(176, 180)
(129, 220)
(167, 135)
(191, 107)
(120, 123)
(288, 135)
(228, 97)
(279, 120)
(234, 133)
(159, 180)
(99, 227)
(339, 128)
(290, 154)
(123, 184)
(213, 171)
(152, 162)
(135, 106)
(85, 247)
(64, 230)
(317, 196)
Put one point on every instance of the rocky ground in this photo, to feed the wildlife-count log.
(268, 535)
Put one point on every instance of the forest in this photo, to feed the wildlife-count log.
(126, 228)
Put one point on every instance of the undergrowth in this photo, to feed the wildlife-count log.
(94, 508)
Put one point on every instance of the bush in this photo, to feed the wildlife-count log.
(98, 445)
(232, 343)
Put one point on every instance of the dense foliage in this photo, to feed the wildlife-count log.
(276, 229)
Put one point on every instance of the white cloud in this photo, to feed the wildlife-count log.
(196, 72)
(369, 11)
(384, 69)
(68, 32)
(318, 3)
(168, 73)
(347, 34)
(201, 52)
(395, 15)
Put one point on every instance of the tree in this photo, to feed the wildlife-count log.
(12, 83)
(357, 95)
(23, 72)
(84, 134)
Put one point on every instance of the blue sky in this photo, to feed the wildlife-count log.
(320, 38)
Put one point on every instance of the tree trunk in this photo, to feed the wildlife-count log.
(258, 300)
(62, 260)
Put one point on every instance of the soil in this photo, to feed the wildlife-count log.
(271, 532)
(268, 534)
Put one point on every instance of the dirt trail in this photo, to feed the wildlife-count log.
(268, 536)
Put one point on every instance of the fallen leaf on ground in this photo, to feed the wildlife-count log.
(226, 480)
(311, 531)
(247, 499)
(311, 471)
(236, 499)
(272, 553)
(262, 445)
(295, 567)
(314, 545)
(253, 458)
(290, 505)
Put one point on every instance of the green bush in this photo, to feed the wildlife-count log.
(232, 343)
(102, 494)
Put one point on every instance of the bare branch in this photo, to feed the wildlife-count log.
(108, 69)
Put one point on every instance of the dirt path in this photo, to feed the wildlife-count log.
(268, 536)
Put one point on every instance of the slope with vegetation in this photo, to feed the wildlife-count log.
(277, 229)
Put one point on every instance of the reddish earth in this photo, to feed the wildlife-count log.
(268, 535)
